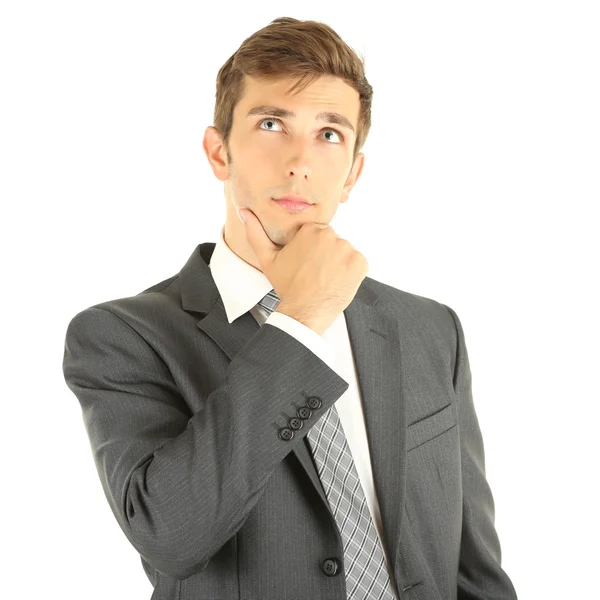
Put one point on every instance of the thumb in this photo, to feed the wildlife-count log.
(257, 237)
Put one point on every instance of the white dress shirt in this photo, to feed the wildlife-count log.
(241, 287)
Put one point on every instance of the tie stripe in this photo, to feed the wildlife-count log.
(367, 577)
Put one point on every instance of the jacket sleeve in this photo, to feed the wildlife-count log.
(181, 484)
(480, 575)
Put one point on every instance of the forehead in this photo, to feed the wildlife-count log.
(327, 93)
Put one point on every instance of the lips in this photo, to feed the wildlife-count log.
(294, 199)
(292, 206)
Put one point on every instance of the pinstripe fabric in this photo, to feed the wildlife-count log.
(184, 397)
(364, 561)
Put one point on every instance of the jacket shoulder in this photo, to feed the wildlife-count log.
(139, 311)
(419, 314)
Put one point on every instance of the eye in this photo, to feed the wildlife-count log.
(278, 121)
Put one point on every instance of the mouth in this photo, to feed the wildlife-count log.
(292, 205)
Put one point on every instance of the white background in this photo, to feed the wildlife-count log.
(480, 187)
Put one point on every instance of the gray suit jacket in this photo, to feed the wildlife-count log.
(196, 434)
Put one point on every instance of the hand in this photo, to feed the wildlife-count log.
(316, 275)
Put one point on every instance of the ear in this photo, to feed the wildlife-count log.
(353, 176)
(216, 152)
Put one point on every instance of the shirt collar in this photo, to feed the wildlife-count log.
(240, 285)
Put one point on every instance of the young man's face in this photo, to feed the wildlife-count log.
(272, 156)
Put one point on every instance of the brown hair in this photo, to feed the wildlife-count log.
(289, 47)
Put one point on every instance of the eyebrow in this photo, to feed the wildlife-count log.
(276, 111)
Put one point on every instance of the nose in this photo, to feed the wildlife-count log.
(300, 165)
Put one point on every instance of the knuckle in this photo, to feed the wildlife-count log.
(359, 259)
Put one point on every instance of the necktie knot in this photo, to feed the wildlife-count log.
(270, 301)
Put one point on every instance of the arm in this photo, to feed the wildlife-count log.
(181, 485)
(480, 575)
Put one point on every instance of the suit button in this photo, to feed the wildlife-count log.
(304, 412)
(314, 402)
(286, 434)
(330, 566)
(296, 423)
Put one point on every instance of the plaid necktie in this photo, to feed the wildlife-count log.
(367, 577)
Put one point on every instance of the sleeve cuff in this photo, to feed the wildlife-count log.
(309, 337)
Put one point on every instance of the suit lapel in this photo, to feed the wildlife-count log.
(376, 346)
(375, 341)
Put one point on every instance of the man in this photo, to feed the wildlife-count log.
(271, 423)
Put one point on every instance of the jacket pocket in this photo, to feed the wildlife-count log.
(430, 427)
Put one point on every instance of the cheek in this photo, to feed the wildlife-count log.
(260, 157)
(256, 143)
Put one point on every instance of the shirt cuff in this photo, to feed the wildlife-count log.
(304, 334)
